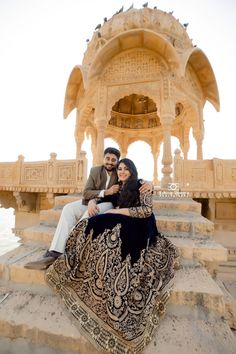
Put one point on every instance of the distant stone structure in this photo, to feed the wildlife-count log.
(141, 79)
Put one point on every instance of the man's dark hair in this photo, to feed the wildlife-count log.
(111, 150)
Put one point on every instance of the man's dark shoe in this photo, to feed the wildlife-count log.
(43, 263)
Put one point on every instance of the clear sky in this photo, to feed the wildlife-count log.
(42, 40)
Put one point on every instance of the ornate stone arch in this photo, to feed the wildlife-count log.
(135, 38)
(75, 87)
(116, 92)
(202, 67)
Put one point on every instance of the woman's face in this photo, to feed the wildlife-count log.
(123, 172)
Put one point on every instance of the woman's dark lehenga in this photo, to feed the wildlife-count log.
(114, 278)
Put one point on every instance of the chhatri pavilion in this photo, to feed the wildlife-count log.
(141, 79)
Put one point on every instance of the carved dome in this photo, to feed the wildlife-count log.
(154, 20)
(159, 39)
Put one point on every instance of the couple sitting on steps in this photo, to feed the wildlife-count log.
(113, 270)
(101, 185)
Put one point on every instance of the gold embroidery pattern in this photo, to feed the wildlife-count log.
(145, 209)
(117, 305)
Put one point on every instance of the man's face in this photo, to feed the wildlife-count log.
(110, 162)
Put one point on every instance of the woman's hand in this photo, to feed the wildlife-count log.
(146, 187)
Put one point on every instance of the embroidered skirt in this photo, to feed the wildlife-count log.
(114, 278)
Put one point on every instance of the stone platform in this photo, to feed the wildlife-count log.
(199, 313)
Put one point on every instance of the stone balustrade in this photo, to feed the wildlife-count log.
(214, 178)
(51, 176)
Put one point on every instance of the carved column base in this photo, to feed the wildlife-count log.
(166, 179)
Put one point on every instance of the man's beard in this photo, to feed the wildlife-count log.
(109, 168)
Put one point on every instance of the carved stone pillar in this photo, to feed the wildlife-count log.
(19, 164)
(167, 118)
(123, 153)
(167, 157)
(123, 146)
(94, 148)
(198, 136)
(184, 141)
(79, 138)
(101, 126)
(155, 154)
(52, 169)
(178, 168)
(79, 131)
(185, 148)
(199, 148)
(198, 133)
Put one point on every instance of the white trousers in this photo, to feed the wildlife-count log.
(71, 214)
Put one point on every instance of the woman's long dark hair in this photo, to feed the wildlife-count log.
(129, 195)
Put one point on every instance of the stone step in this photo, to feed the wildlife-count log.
(169, 221)
(177, 204)
(50, 216)
(65, 199)
(187, 286)
(226, 274)
(201, 250)
(194, 286)
(183, 204)
(44, 321)
(227, 270)
(183, 224)
(231, 254)
(40, 232)
(12, 264)
(230, 301)
(206, 250)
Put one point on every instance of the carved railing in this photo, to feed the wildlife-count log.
(206, 178)
(51, 176)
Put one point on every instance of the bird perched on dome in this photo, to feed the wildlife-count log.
(130, 8)
(145, 5)
(185, 25)
(98, 26)
(121, 10)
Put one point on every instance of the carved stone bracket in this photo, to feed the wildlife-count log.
(50, 198)
(25, 201)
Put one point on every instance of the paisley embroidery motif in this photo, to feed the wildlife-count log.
(117, 304)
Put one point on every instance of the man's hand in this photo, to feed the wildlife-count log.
(93, 209)
(112, 190)
(146, 187)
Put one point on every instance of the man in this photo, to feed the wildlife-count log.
(102, 182)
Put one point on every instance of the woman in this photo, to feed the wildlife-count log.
(116, 269)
